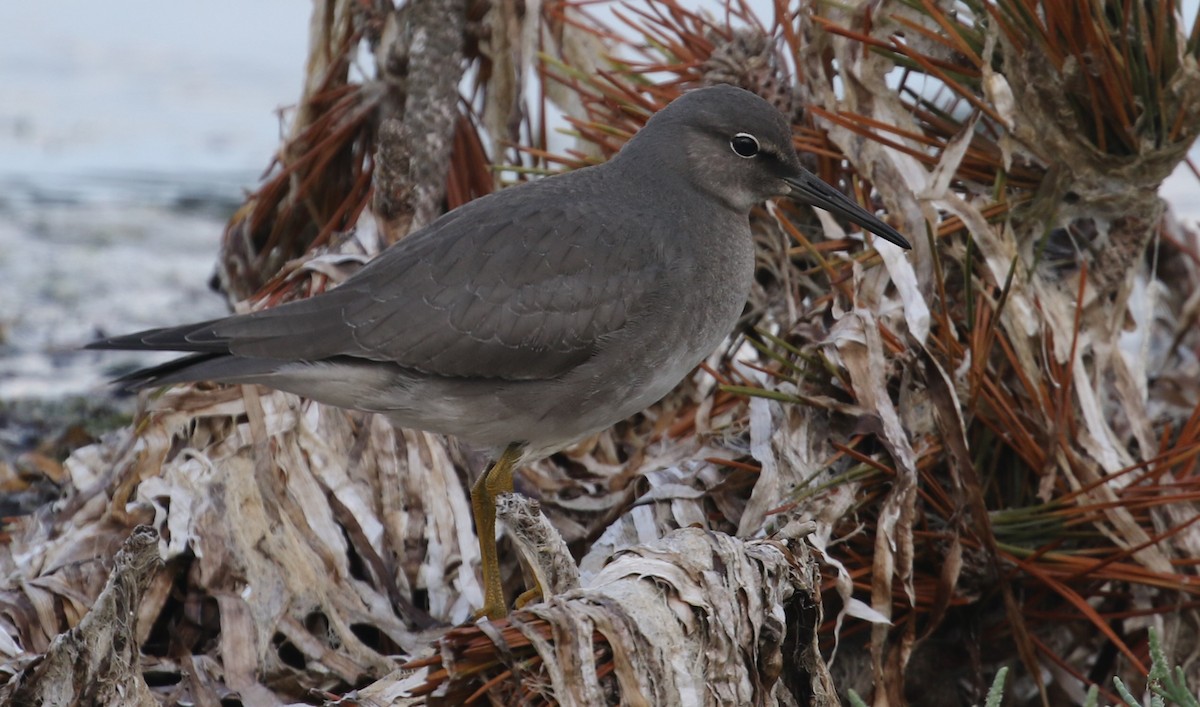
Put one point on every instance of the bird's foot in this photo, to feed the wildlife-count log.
(527, 597)
(491, 612)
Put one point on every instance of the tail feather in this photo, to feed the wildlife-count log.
(203, 366)
(212, 356)
(246, 348)
(162, 374)
(311, 328)
(178, 338)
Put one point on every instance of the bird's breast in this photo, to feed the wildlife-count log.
(694, 307)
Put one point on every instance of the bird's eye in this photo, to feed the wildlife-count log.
(745, 145)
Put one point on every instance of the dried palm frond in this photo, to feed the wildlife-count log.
(695, 613)
(99, 661)
(995, 439)
(1024, 406)
(319, 182)
(1028, 432)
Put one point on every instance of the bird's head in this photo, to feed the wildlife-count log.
(738, 149)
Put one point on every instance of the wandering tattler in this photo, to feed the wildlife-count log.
(538, 315)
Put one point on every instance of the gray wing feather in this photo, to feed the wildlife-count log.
(483, 292)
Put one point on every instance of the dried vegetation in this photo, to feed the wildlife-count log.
(992, 442)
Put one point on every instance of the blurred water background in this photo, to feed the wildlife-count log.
(129, 131)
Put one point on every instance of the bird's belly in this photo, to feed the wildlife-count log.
(631, 369)
(548, 415)
(630, 377)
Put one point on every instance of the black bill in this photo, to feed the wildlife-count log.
(807, 187)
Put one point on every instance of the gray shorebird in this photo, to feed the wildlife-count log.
(538, 315)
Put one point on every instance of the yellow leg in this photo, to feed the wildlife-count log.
(495, 481)
(529, 596)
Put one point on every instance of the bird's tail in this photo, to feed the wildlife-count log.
(210, 360)
(200, 367)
